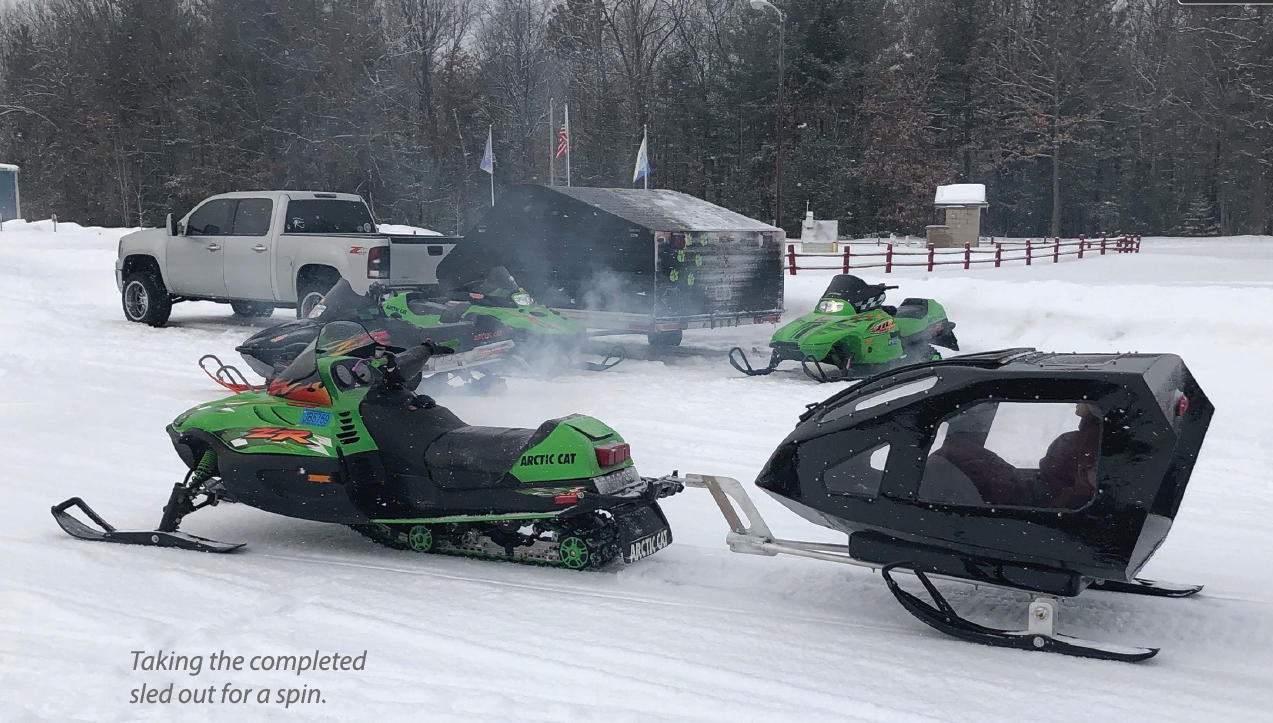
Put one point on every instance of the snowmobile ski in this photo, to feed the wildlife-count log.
(1150, 588)
(1039, 635)
(154, 538)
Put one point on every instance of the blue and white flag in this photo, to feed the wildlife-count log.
(488, 158)
(642, 162)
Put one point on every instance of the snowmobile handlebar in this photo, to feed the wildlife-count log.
(407, 364)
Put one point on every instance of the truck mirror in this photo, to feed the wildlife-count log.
(172, 226)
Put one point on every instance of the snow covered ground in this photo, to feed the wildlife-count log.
(694, 633)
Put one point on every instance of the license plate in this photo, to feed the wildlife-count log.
(647, 545)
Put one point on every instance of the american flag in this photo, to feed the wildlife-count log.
(563, 143)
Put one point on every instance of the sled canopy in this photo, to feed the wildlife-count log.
(1035, 471)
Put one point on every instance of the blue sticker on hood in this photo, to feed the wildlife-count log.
(316, 417)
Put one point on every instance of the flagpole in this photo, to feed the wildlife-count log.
(489, 136)
(645, 140)
(569, 143)
(552, 146)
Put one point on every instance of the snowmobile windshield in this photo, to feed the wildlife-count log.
(855, 291)
(339, 338)
(498, 288)
(341, 302)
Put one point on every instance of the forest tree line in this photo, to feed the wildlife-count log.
(1080, 116)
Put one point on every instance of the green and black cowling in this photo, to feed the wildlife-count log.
(853, 333)
(336, 438)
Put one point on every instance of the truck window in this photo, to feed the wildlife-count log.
(324, 216)
(253, 217)
(213, 218)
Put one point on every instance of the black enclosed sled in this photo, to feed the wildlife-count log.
(1047, 473)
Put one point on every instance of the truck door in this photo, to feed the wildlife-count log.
(194, 260)
(248, 251)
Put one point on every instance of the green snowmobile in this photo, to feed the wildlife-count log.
(851, 333)
(542, 335)
(338, 438)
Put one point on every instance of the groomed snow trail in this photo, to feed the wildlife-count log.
(694, 633)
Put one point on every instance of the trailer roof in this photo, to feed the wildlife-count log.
(663, 210)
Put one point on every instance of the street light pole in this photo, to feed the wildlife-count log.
(763, 5)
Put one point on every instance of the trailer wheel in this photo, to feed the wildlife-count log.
(664, 338)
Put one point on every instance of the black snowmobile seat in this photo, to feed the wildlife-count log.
(912, 309)
(480, 457)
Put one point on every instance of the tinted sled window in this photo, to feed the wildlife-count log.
(995, 454)
(324, 216)
(858, 475)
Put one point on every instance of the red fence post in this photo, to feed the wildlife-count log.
(791, 259)
(846, 258)
(1102, 243)
(1056, 249)
(930, 256)
(1082, 243)
(998, 255)
(967, 254)
(1027, 252)
(888, 260)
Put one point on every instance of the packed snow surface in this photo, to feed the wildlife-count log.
(694, 633)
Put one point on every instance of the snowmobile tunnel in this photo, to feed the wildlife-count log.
(1036, 471)
(656, 252)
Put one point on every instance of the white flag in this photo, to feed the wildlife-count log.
(642, 163)
(488, 158)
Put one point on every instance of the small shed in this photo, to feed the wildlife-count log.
(961, 204)
(10, 202)
(658, 253)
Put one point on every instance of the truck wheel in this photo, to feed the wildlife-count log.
(310, 289)
(664, 338)
(250, 309)
(145, 299)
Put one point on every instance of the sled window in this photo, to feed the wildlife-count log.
(858, 475)
(1017, 454)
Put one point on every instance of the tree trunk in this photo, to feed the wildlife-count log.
(1056, 190)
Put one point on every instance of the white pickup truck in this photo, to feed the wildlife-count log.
(258, 250)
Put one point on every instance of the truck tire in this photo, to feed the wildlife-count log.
(145, 299)
(251, 309)
(311, 286)
(664, 338)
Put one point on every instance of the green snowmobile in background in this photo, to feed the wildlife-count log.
(542, 335)
(337, 437)
(851, 333)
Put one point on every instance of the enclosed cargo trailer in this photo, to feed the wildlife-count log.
(652, 262)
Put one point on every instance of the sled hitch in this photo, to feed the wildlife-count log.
(749, 534)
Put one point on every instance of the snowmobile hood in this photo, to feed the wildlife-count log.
(818, 327)
(920, 463)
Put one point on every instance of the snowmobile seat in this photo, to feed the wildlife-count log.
(423, 307)
(454, 312)
(480, 457)
(912, 309)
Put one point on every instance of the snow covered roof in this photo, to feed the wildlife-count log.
(961, 194)
(663, 210)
